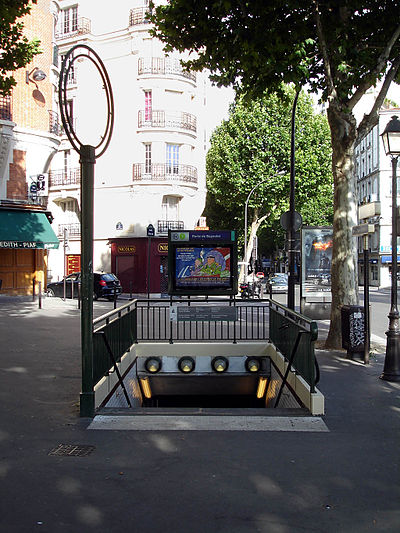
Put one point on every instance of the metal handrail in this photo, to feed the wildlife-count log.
(293, 333)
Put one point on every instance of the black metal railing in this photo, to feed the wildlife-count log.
(164, 172)
(294, 335)
(137, 15)
(167, 119)
(71, 176)
(6, 107)
(163, 66)
(119, 328)
(164, 225)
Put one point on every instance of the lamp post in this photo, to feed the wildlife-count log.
(292, 211)
(391, 369)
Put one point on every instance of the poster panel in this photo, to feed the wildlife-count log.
(316, 254)
(202, 262)
(202, 267)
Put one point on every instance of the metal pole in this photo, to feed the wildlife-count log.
(391, 369)
(291, 232)
(367, 332)
(65, 262)
(148, 269)
(87, 160)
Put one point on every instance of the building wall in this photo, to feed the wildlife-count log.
(373, 174)
(126, 198)
(27, 146)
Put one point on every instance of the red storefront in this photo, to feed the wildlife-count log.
(135, 261)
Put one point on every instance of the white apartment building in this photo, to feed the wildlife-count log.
(153, 171)
(373, 173)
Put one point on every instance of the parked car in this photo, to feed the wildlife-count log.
(105, 285)
(279, 283)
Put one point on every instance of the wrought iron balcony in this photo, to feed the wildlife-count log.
(83, 26)
(164, 172)
(54, 123)
(164, 225)
(5, 108)
(73, 230)
(137, 15)
(166, 119)
(163, 66)
(59, 178)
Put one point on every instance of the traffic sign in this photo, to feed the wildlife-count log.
(150, 230)
(285, 221)
(363, 229)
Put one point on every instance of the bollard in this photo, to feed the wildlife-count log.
(115, 298)
(33, 289)
(40, 294)
(130, 290)
(79, 295)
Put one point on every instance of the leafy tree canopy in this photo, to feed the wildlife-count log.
(338, 48)
(252, 148)
(15, 49)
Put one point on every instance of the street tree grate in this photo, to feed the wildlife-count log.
(72, 450)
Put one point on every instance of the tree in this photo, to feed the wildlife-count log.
(340, 49)
(252, 149)
(15, 49)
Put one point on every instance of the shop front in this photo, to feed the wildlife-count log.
(25, 238)
(141, 264)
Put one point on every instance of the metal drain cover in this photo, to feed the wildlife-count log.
(72, 450)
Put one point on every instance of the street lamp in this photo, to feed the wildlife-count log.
(245, 217)
(391, 369)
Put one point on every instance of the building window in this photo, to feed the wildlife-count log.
(67, 156)
(374, 273)
(69, 19)
(172, 159)
(70, 211)
(170, 208)
(147, 158)
(147, 105)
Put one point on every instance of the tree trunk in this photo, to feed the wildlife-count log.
(344, 265)
(256, 223)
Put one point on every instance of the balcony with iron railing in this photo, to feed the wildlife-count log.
(165, 172)
(167, 119)
(82, 27)
(73, 230)
(54, 123)
(163, 66)
(5, 108)
(164, 225)
(60, 178)
(137, 15)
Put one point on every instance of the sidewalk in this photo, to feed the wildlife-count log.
(343, 480)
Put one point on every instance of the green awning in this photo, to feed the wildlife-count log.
(26, 230)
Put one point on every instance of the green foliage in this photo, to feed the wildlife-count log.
(260, 44)
(252, 148)
(15, 49)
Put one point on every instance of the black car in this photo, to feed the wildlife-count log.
(105, 285)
